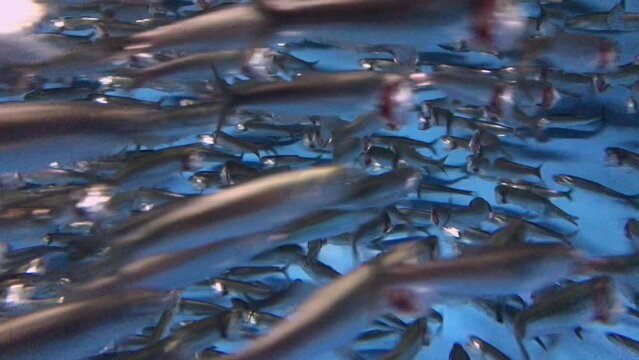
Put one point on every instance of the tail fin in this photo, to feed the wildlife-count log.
(538, 174)
(223, 86)
(568, 194)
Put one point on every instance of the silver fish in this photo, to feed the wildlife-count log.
(571, 180)
(531, 201)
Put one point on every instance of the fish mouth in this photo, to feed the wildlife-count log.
(396, 103)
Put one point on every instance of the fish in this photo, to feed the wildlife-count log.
(63, 330)
(500, 168)
(412, 157)
(415, 337)
(622, 157)
(536, 188)
(537, 229)
(436, 188)
(574, 181)
(478, 210)
(531, 202)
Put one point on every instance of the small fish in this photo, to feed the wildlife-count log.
(391, 141)
(574, 181)
(477, 211)
(412, 157)
(537, 229)
(624, 341)
(415, 336)
(536, 188)
(622, 157)
(290, 160)
(436, 188)
(530, 201)
(318, 271)
(501, 168)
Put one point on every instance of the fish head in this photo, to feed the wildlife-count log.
(396, 102)
(260, 64)
(612, 156)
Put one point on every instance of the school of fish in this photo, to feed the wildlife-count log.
(320, 179)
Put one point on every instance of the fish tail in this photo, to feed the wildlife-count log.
(522, 348)
(442, 164)
(223, 86)
(538, 175)
(568, 194)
